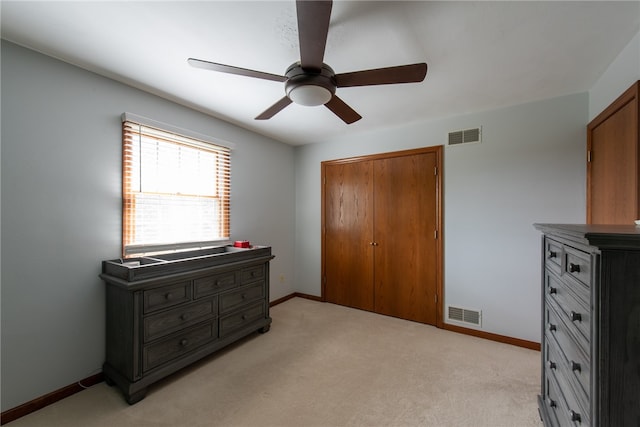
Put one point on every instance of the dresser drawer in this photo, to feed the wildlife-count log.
(166, 296)
(232, 300)
(213, 284)
(252, 274)
(566, 415)
(566, 335)
(574, 414)
(177, 345)
(553, 255)
(160, 324)
(573, 308)
(574, 371)
(552, 400)
(563, 288)
(578, 265)
(235, 321)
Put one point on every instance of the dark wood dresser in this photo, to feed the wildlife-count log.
(590, 325)
(167, 312)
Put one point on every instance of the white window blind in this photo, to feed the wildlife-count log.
(176, 191)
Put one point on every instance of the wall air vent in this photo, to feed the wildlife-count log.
(466, 136)
(464, 315)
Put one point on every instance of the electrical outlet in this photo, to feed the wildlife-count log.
(282, 278)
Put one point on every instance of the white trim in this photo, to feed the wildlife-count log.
(130, 117)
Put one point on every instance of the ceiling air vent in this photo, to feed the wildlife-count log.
(466, 136)
(464, 315)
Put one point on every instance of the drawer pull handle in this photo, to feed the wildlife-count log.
(552, 327)
(575, 366)
(253, 274)
(575, 416)
(183, 342)
(184, 317)
(552, 365)
(551, 254)
(574, 268)
(244, 317)
(552, 403)
(168, 296)
(244, 296)
(552, 290)
(576, 317)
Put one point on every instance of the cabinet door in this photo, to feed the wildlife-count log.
(348, 220)
(613, 188)
(405, 223)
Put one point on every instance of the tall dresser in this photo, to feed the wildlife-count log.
(590, 325)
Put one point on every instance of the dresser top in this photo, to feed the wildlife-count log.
(601, 236)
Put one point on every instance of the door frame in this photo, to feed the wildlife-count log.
(439, 152)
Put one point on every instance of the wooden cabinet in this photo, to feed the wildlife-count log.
(613, 162)
(381, 242)
(590, 325)
(164, 314)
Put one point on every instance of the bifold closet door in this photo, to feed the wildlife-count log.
(405, 224)
(348, 232)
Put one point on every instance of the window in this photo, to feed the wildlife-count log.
(175, 190)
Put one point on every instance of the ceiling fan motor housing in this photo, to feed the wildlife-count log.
(310, 87)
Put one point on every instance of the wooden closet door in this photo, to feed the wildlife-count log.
(613, 178)
(405, 248)
(348, 220)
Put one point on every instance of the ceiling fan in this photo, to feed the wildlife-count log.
(310, 81)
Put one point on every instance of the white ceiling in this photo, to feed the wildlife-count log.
(481, 55)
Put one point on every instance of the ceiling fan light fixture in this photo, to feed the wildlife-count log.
(310, 81)
(310, 95)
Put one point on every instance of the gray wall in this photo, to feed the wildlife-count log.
(619, 76)
(61, 211)
(529, 168)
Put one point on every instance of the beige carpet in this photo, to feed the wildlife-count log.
(327, 365)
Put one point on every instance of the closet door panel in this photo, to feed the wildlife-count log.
(405, 251)
(348, 247)
(613, 176)
(613, 172)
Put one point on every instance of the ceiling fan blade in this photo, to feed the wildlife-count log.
(313, 26)
(199, 63)
(274, 109)
(342, 110)
(383, 76)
